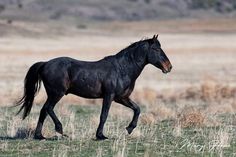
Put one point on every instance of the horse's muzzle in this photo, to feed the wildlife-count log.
(166, 67)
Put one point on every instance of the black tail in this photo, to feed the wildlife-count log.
(31, 87)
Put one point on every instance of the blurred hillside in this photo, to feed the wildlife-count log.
(42, 10)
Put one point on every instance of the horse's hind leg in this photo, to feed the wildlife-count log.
(48, 106)
(42, 116)
(58, 125)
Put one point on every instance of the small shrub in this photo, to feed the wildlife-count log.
(191, 118)
(23, 133)
(147, 119)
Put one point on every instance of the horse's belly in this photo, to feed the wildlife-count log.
(86, 95)
(86, 89)
(85, 83)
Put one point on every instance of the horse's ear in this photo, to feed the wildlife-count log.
(155, 37)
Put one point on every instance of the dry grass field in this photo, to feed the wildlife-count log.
(188, 112)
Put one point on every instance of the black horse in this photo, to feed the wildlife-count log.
(112, 78)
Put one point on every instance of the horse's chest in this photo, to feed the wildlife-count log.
(124, 87)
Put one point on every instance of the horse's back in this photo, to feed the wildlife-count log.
(89, 79)
(82, 78)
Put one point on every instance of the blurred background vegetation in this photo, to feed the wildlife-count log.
(41, 10)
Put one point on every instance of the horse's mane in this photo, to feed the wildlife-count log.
(134, 45)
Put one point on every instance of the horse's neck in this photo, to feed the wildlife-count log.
(131, 66)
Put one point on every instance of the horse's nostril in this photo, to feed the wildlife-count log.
(170, 67)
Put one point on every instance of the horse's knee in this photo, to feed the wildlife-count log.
(137, 110)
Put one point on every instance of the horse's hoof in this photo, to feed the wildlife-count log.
(129, 129)
(65, 136)
(39, 137)
(101, 137)
(60, 136)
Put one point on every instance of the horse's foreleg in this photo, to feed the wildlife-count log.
(130, 104)
(103, 117)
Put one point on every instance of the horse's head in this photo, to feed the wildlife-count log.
(157, 57)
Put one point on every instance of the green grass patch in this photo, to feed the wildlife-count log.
(153, 140)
